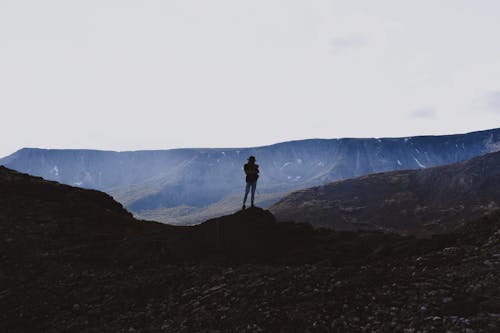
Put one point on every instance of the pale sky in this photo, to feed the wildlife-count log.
(129, 75)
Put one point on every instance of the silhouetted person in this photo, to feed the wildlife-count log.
(252, 171)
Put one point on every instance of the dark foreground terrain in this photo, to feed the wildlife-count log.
(74, 260)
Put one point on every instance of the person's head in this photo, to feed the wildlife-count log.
(251, 159)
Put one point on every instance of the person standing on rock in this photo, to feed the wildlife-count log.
(252, 171)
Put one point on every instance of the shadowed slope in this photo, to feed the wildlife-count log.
(416, 201)
(56, 208)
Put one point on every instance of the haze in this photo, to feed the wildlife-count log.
(129, 75)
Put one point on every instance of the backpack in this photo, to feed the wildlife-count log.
(252, 172)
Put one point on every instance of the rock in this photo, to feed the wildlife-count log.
(488, 263)
(447, 300)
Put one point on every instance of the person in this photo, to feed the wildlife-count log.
(252, 174)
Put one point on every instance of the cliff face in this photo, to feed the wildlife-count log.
(150, 182)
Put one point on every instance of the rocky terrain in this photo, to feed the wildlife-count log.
(190, 185)
(420, 202)
(74, 260)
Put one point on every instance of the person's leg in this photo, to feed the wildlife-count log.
(247, 189)
(254, 186)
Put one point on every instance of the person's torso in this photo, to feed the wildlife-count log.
(252, 171)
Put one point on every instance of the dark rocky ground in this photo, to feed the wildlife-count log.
(73, 260)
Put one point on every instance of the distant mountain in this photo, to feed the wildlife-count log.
(426, 201)
(183, 185)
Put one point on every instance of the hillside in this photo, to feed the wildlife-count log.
(182, 185)
(74, 260)
(421, 202)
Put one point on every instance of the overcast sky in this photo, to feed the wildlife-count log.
(128, 75)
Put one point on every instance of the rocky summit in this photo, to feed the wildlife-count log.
(74, 260)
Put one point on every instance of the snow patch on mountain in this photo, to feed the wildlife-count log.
(418, 162)
(55, 171)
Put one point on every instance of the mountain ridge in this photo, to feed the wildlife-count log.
(150, 182)
(261, 146)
